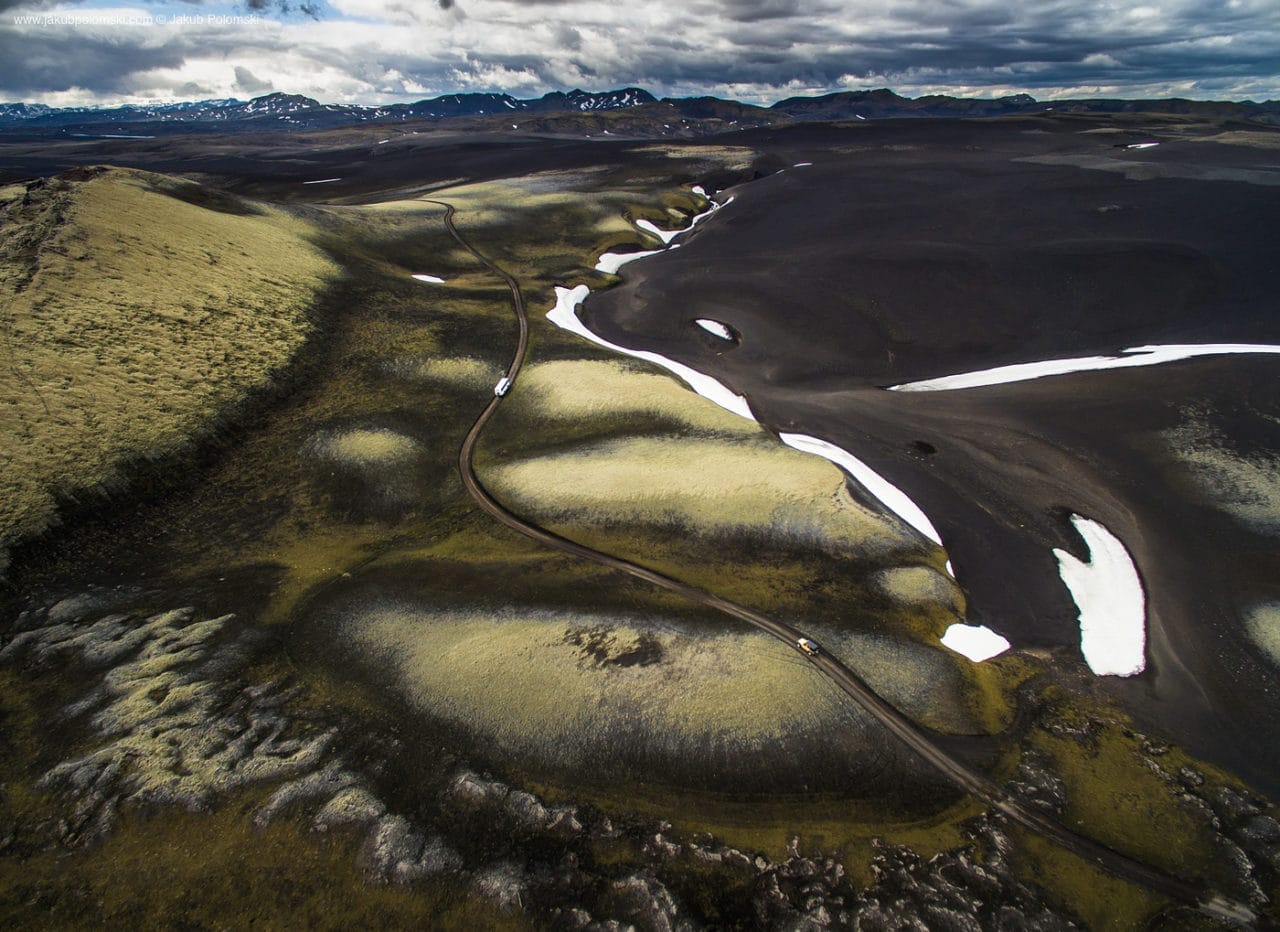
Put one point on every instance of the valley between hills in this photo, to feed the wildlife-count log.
(493, 529)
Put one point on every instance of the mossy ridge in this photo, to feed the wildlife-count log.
(583, 399)
(709, 483)
(223, 303)
(1122, 788)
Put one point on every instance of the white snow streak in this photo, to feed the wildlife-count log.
(1133, 357)
(612, 261)
(889, 494)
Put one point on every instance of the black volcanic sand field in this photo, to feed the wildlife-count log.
(918, 249)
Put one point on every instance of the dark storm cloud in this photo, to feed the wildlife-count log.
(54, 60)
(1056, 45)
(279, 7)
(193, 91)
(568, 37)
(750, 11)
(250, 83)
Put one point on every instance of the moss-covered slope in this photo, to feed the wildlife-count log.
(134, 310)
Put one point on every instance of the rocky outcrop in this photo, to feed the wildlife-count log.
(173, 729)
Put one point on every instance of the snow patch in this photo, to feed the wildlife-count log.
(1132, 357)
(322, 181)
(1142, 145)
(432, 279)
(714, 326)
(610, 262)
(977, 642)
(802, 165)
(1112, 605)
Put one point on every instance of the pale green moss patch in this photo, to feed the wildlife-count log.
(1246, 486)
(705, 485)
(366, 447)
(578, 390)
(607, 695)
(920, 585)
(452, 371)
(1263, 625)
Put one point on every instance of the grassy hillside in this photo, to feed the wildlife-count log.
(133, 310)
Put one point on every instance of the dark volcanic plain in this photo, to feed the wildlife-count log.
(911, 250)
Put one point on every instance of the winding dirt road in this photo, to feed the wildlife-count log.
(906, 730)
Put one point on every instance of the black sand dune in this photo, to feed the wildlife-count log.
(909, 251)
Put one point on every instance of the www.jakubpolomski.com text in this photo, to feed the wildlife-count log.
(135, 19)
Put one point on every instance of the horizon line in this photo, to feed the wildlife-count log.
(161, 102)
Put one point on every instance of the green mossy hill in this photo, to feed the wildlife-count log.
(135, 310)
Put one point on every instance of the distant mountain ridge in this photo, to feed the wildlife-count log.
(280, 111)
(884, 103)
(294, 111)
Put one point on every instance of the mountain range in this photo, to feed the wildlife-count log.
(281, 111)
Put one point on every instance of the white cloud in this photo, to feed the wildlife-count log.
(1101, 59)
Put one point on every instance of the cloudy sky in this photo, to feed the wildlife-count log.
(382, 51)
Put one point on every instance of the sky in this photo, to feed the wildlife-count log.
(758, 51)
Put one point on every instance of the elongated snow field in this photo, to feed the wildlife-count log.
(1112, 605)
(1133, 357)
